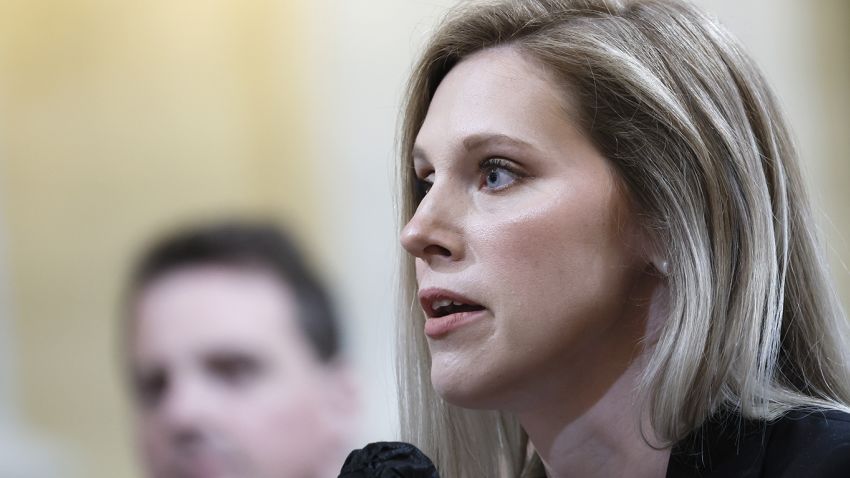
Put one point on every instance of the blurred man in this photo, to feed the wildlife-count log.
(234, 358)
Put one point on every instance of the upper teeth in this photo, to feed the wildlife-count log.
(443, 303)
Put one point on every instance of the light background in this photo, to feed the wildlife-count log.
(120, 118)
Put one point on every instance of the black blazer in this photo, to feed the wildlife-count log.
(800, 444)
(814, 444)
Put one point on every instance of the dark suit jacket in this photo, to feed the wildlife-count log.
(801, 444)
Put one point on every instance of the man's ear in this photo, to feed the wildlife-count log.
(342, 400)
(346, 390)
(340, 413)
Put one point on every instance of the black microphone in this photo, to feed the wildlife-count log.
(391, 459)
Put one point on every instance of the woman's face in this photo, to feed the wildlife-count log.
(526, 248)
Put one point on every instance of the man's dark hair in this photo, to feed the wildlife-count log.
(248, 245)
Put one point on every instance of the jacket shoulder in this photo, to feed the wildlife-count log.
(809, 443)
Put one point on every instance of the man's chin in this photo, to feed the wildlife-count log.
(204, 466)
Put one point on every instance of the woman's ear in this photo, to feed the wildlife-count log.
(662, 265)
(651, 250)
(636, 225)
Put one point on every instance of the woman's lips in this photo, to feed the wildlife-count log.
(446, 310)
(439, 326)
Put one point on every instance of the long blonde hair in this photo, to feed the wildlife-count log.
(670, 98)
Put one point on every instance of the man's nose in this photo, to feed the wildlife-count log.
(188, 409)
(434, 233)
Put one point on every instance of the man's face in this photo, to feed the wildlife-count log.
(226, 384)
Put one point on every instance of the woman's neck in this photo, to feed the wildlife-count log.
(603, 441)
(591, 423)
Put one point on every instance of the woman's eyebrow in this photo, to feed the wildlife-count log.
(483, 140)
(477, 141)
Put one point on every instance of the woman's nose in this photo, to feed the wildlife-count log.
(433, 233)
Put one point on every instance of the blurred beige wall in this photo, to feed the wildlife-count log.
(832, 178)
(120, 117)
(803, 49)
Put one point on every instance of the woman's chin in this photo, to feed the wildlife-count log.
(466, 389)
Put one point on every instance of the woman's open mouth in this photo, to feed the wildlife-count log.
(446, 307)
(446, 311)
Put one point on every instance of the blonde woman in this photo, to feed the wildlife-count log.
(613, 268)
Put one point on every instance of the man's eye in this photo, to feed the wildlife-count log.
(497, 174)
(151, 387)
(233, 370)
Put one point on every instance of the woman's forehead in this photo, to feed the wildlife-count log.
(495, 96)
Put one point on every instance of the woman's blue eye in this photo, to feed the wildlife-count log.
(497, 176)
(423, 185)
